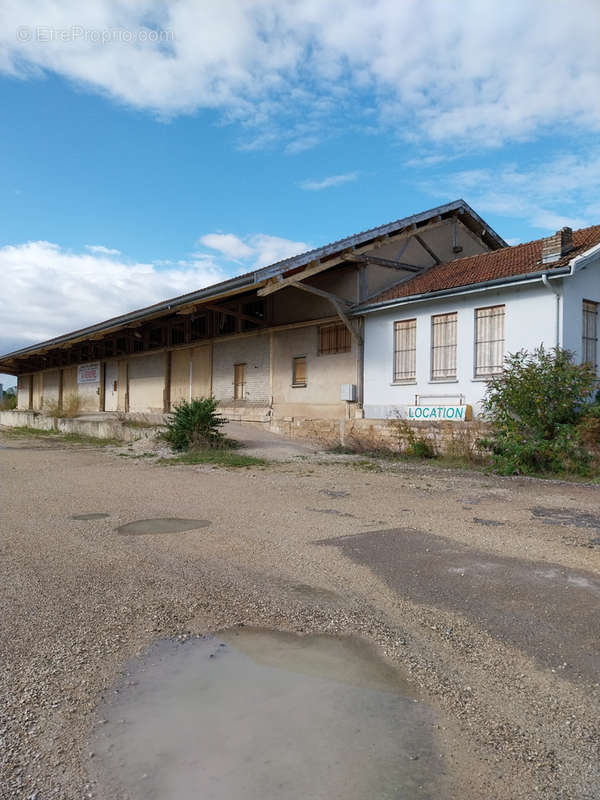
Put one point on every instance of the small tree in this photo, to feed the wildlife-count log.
(535, 405)
(195, 425)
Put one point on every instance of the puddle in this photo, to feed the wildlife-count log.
(254, 714)
(163, 525)
(90, 516)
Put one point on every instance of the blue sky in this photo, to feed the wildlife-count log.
(153, 149)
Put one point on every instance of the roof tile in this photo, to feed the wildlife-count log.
(518, 260)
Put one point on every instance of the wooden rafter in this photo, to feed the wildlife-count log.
(337, 303)
(366, 258)
(427, 249)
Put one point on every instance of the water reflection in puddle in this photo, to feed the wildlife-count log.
(255, 714)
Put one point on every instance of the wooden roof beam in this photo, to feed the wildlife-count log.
(366, 258)
(427, 249)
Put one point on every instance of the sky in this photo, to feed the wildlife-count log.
(152, 148)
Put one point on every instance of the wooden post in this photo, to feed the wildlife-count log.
(60, 389)
(102, 387)
(167, 388)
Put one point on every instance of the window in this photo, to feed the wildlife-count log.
(405, 350)
(239, 381)
(299, 371)
(489, 341)
(334, 339)
(443, 347)
(589, 339)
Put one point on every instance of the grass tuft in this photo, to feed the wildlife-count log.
(219, 458)
(71, 438)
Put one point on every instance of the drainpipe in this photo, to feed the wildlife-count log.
(556, 292)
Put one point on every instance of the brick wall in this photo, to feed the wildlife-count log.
(252, 351)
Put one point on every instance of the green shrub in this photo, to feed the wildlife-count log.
(195, 425)
(8, 402)
(420, 448)
(537, 406)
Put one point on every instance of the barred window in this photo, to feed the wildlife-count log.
(405, 350)
(443, 346)
(589, 339)
(489, 340)
(299, 371)
(334, 339)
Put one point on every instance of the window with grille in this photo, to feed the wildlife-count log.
(299, 371)
(405, 350)
(443, 346)
(334, 339)
(489, 341)
(589, 339)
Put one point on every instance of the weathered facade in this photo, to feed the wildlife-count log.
(280, 343)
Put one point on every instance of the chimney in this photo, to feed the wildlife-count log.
(557, 246)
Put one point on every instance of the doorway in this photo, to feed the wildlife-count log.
(111, 382)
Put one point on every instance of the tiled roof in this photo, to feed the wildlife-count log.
(505, 263)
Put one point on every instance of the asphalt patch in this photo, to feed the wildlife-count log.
(567, 516)
(162, 525)
(545, 610)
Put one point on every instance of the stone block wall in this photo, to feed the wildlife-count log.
(445, 438)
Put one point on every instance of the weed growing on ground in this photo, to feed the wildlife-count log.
(71, 438)
(24, 430)
(220, 458)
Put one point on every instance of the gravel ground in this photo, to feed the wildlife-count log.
(79, 599)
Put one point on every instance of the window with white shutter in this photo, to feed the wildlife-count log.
(405, 350)
(589, 339)
(489, 341)
(443, 346)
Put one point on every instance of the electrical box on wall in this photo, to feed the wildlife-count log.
(349, 392)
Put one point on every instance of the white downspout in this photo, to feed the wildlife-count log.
(556, 292)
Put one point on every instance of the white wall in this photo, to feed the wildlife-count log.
(583, 285)
(253, 351)
(529, 322)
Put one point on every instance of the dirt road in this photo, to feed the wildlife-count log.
(483, 591)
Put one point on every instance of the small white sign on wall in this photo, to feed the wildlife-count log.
(454, 413)
(88, 373)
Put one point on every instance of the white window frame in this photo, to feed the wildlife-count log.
(452, 322)
(589, 325)
(481, 372)
(412, 377)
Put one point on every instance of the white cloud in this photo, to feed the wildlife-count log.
(561, 190)
(99, 248)
(326, 183)
(228, 244)
(486, 73)
(255, 250)
(269, 249)
(46, 290)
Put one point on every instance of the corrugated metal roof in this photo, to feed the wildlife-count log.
(251, 279)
